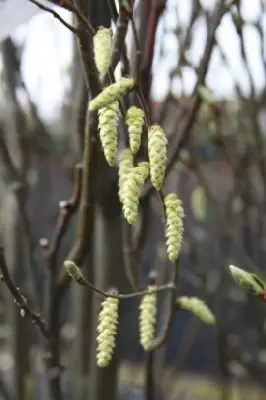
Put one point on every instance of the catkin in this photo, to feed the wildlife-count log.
(107, 330)
(135, 121)
(102, 43)
(124, 167)
(112, 93)
(131, 191)
(108, 125)
(157, 149)
(147, 318)
(198, 308)
(174, 228)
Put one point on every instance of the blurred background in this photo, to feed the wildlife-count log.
(218, 170)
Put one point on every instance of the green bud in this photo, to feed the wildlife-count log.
(205, 95)
(73, 271)
(247, 280)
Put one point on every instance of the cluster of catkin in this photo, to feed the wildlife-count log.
(109, 316)
(108, 325)
(131, 180)
(132, 177)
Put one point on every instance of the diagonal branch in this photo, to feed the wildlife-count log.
(56, 15)
(20, 299)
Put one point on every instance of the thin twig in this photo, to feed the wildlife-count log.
(69, 4)
(20, 299)
(120, 35)
(56, 15)
(168, 286)
(67, 210)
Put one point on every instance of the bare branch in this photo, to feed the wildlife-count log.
(20, 299)
(56, 15)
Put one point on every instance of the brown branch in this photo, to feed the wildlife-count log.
(162, 337)
(84, 21)
(10, 176)
(131, 250)
(120, 35)
(124, 296)
(182, 136)
(154, 13)
(67, 210)
(20, 299)
(56, 15)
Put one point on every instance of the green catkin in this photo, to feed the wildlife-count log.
(135, 122)
(157, 149)
(112, 93)
(174, 228)
(107, 330)
(108, 126)
(196, 307)
(102, 43)
(147, 318)
(124, 167)
(131, 191)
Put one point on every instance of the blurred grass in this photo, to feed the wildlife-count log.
(192, 387)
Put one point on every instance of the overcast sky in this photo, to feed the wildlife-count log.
(47, 55)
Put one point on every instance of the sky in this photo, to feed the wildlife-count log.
(48, 49)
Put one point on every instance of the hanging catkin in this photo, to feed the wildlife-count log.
(112, 93)
(108, 126)
(134, 121)
(132, 188)
(107, 330)
(157, 143)
(147, 318)
(102, 44)
(124, 167)
(174, 229)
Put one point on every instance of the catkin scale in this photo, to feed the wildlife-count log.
(124, 167)
(157, 149)
(108, 125)
(112, 93)
(107, 330)
(174, 228)
(102, 45)
(134, 121)
(131, 191)
(147, 318)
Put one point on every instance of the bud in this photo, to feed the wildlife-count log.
(196, 307)
(112, 93)
(73, 271)
(248, 280)
(205, 95)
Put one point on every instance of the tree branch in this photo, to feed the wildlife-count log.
(20, 299)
